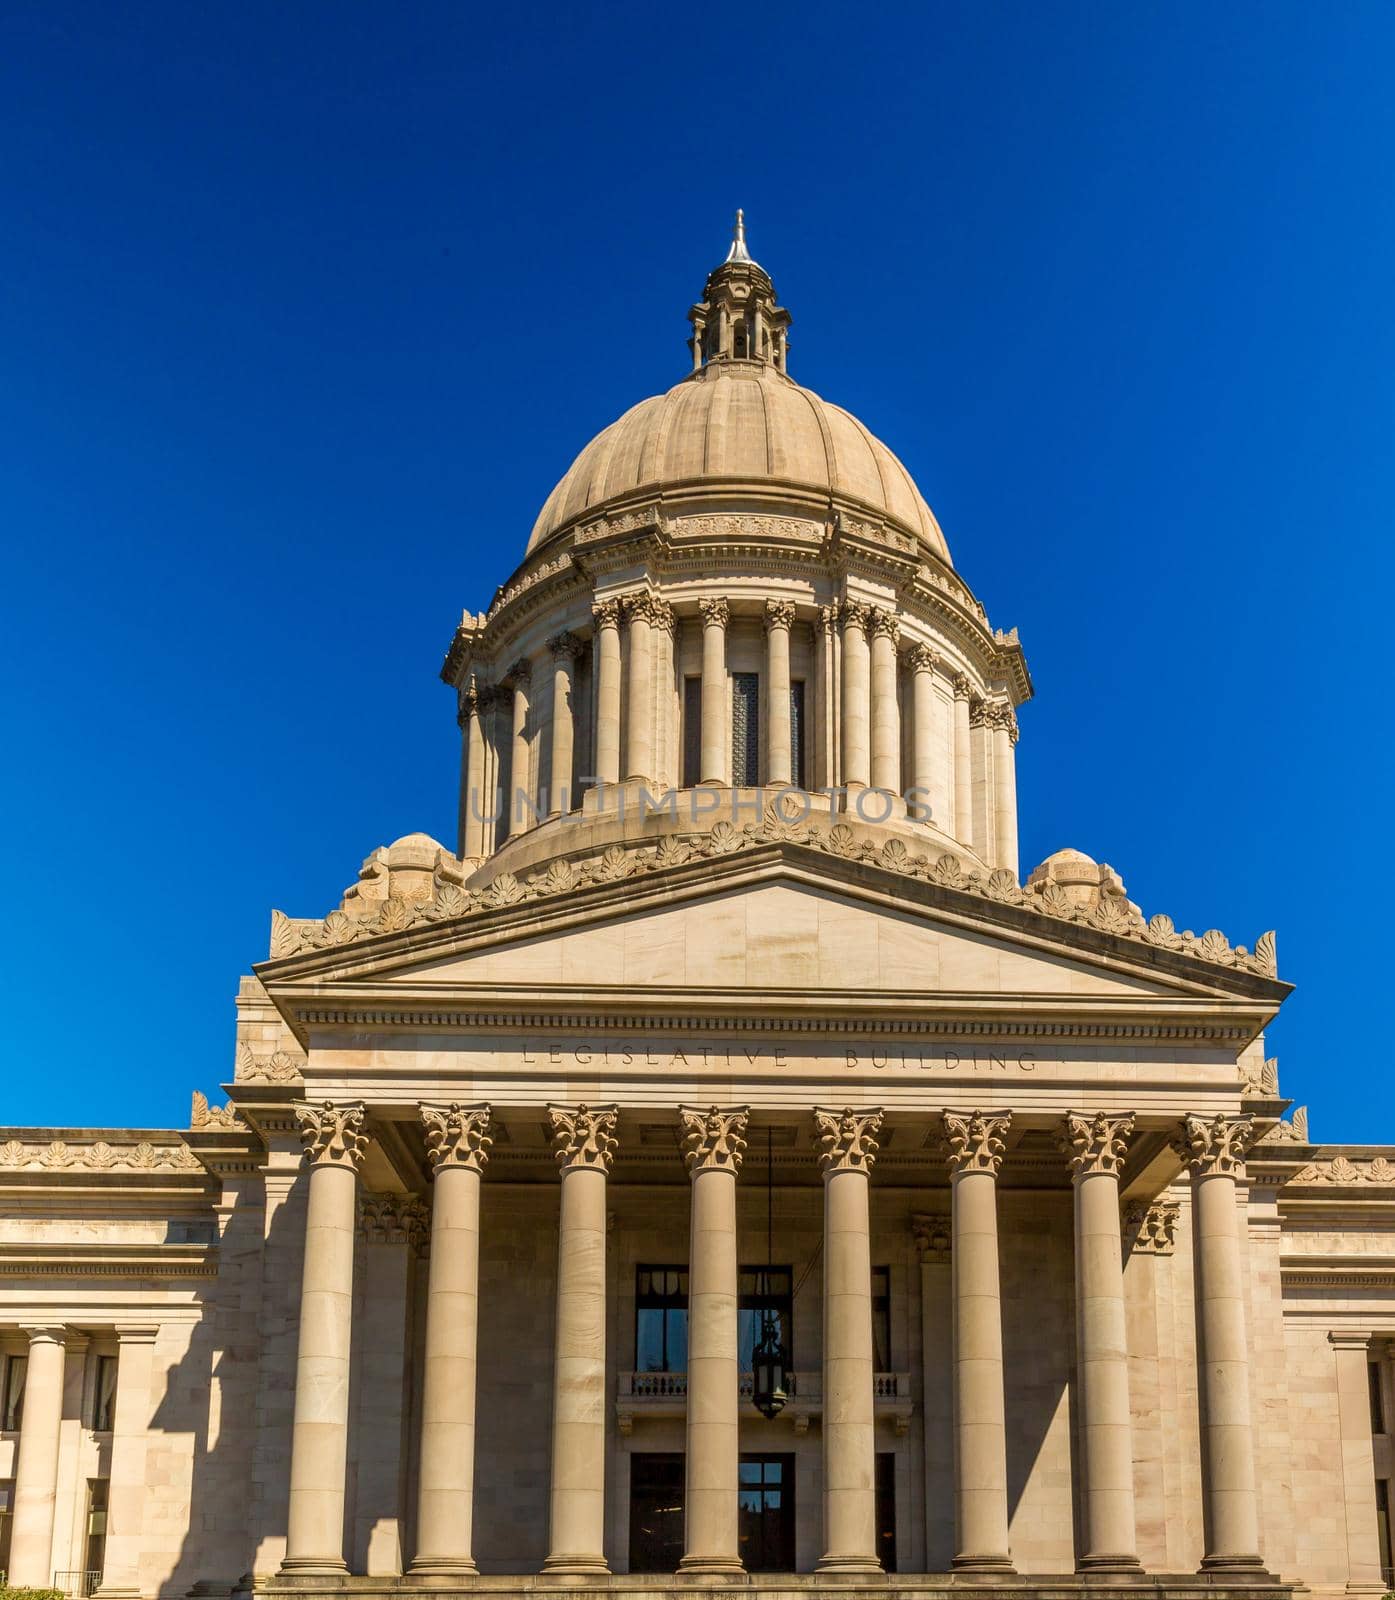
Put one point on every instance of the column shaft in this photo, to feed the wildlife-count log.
(1005, 786)
(716, 747)
(608, 692)
(522, 812)
(923, 713)
(476, 802)
(320, 1432)
(886, 716)
(779, 617)
(639, 754)
(963, 764)
(855, 698)
(36, 1473)
(564, 651)
(446, 1476)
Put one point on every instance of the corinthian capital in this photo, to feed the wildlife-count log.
(333, 1135)
(457, 1136)
(779, 614)
(975, 1143)
(584, 1136)
(565, 646)
(847, 1138)
(716, 613)
(921, 658)
(606, 613)
(467, 704)
(1215, 1146)
(882, 624)
(1096, 1144)
(715, 1138)
(963, 689)
(852, 614)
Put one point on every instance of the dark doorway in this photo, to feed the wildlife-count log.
(886, 1510)
(766, 1524)
(656, 1513)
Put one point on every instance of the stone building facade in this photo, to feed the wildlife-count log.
(725, 1031)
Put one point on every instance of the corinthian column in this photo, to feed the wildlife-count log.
(1096, 1146)
(779, 619)
(457, 1143)
(36, 1473)
(334, 1143)
(923, 662)
(886, 719)
(974, 1144)
(847, 1149)
(715, 764)
(1004, 724)
(474, 802)
(585, 1141)
(963, 763)
(1215, 1153)
(565, 647)
(713, 1144)
(856, 696)
(521, 812)
(607, 615)
(639, 742)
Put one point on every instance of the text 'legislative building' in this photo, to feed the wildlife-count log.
(719, 1165)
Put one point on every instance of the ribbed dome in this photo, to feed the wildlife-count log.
(734, 424)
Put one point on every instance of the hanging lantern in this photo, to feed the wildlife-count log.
(768, 1388)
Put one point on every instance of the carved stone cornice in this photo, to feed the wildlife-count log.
(1149, 1227)
(974, 1143)
(1096, 1143)
(852, 614)
(1215, 1146)
(963, 689)
(394, 1219)
(203, 1116)
(333, 1135)
(607, 613)
(565, 646)
(584, 1136)
(933, 1237)
(457, 1136)
(921, 658)
(714, 1138)
(716, 612)
(847, 1139)
(101, 1155)
(883, 624)
(279, 1067)
(1343, 1172)
(779, 614)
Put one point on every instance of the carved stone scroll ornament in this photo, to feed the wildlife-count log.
(333, 1135)
(584, 1136)
(933, 1237)
(1150, 1228)
(714, 1138)
(457, 1136)
(1217, 1145)
(974, 1143)
(847, 1139)
(1096, 1143)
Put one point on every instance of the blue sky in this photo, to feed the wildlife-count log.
(306, 307)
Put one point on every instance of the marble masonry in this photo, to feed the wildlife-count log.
(718, 1166)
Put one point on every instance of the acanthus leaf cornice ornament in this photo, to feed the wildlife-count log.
(1215, 1145)
(1343, 1172)
(101, 1155)
(714, 1138)
(847, 1139)
(457, 1136)
(584, 1136)
(281, 1066)
(333, 1135)
(1096, 1143)
(204, 1116)
(974, 1142)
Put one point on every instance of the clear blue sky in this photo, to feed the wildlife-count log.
(306, 306)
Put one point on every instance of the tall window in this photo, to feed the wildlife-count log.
(661, 1319)
(764, 1290)
(881, 1318)
(797, 763)
(103, 1394)
(745, 729)
(7, 1516)
(765, 1508)
(886, 1510)
(692, 732)
(1377, 1398)
(12, 1401)
(96, 1532)
(656, 1512)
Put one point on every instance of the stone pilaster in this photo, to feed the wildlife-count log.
(932, 1234)
(974, 1145)
(585, 1142)
(127, 1493)
(1096, 1146)
(847, 1149)
(458, 1142)
(714, 1141)
(334, 1141)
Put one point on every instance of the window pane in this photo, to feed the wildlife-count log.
(649, 1340)
(881, 1318)
(677, 1340)
(692, 732)
(16, 1371)
(745, 729)
(797, 772)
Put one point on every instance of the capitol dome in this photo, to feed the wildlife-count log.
(740, 428)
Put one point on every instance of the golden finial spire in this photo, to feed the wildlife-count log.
(738, 251)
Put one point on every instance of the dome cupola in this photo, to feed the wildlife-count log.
(737, 318)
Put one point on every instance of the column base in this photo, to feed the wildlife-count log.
(442, 1567)
(987, 1564)
(711, 1566)
(314, 1567)
(575, 1567)
(836, 1563)
(1247, 1565)
(1109, 1563)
